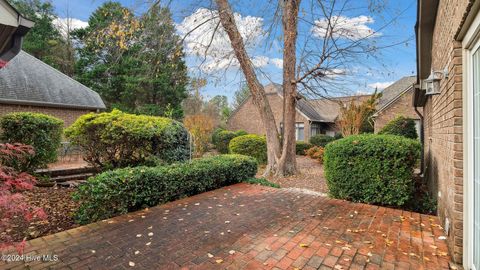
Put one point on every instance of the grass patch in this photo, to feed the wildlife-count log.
(261, 181)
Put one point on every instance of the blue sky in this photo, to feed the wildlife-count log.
(394, 23)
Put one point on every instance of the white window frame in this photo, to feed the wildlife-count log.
(470, 44)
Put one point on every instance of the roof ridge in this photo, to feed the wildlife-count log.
(59, 72)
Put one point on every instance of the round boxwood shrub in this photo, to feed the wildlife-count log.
(371, 168)
(41, 131)
(216, 135)
(123, 190)
(301, 147)
(116, 139)
(250, 145)
(401, 126)
(321, 140)
(224, 137)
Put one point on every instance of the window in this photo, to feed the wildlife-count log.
(300, 131)
(315, 129)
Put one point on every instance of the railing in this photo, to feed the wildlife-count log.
(69, 153)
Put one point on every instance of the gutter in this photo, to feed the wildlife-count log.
(48, 104)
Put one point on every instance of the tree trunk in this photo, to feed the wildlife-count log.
(256, 88)
(287, 164)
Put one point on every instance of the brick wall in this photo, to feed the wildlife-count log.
(401, 107)
(67, 115)
(443, 124)
(248, 118)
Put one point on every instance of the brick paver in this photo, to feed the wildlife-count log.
(249, 227)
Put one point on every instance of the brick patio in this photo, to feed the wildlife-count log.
(250, 227)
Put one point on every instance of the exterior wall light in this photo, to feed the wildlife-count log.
(432, 83)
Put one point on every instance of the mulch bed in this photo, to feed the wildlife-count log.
(58, 205)
(310, 176)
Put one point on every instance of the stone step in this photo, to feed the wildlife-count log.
(64, 178)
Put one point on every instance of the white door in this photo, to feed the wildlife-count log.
(476, 160)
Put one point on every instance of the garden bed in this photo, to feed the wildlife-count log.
(310, 176)
(58, 205)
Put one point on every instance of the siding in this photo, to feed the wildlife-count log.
(247, 117)
(67, 115)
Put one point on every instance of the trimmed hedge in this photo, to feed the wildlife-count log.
(116, 139)
(120, 191)
(302, 147)
(321, 140)
(401, 126)
(223, 138)
(371, 168)
(41, 131)
(250, 145)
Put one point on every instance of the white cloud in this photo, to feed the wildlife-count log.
(198, 29)
(277, 62)
(380, 85)
(353, 28)
(63, 24)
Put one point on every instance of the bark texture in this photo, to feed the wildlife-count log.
(287, 164)
(259, 97)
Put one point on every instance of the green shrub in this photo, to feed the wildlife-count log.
(301, 147)
(41, 131)
(401, 126)
(262, 182)
(119, 191)
(216, 135)
(224, 137)
(250, 145)
(117, 139)
(371, 168)
(321, 140)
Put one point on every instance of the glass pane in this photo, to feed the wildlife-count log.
(476, 159)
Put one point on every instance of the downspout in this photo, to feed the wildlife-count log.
(422, 141)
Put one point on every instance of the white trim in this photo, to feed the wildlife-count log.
(470, 44)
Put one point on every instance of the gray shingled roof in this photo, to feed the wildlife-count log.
(392, 92)
(27, 80)
(320, 110)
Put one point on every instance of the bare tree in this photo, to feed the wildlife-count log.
(334, 47)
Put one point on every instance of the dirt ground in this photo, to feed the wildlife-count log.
(310, 177)
(57, 204)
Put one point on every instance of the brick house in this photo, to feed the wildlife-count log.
(314, 116)
(396, 100)
(448, 94)
(29, 85)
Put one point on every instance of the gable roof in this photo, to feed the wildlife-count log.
(318, 110)
(27, 80)
(394, 91)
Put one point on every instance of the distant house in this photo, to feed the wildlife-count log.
(29, 85)
(13, 28)
(314, 116)
(396, 100)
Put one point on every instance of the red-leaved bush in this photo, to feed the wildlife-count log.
(12, 203)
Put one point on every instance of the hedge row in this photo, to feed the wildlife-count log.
(119, 191)
(371, 168)
(321, 140)
(302, 147)
(41, 131)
